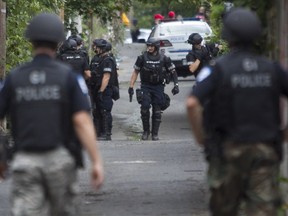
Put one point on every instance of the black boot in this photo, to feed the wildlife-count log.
(106, 117)
(97, 120)
(155, 129)
(145, 116)
(156, 120)
(97, 124)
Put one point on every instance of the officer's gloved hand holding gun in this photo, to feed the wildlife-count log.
(130, 92)
(175, 90)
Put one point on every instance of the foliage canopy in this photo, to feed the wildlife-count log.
(19, 12)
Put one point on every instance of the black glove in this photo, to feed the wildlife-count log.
(130, 92)
(175, 90)
(100, 95)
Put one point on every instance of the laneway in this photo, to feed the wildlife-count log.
(166, 177)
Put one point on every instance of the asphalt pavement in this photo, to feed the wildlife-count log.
(153, 178)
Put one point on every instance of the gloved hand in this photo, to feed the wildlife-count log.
(100, 95)
(130, 92)
(175, 90)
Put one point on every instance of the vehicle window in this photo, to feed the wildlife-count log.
(184, 30)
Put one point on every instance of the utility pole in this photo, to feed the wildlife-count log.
(2, 49)
(283, 58)
(2, 39)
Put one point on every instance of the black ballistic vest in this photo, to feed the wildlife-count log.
(75, 59)
(207, 57)
(152, 70)
(95, 79)
(245, 107)
(39, 109)
(97, 71)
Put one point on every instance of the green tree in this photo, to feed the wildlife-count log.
(262, 8)
(19, 12)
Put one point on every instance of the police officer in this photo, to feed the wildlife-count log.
(92, 89)
(73, 57)
(46, 102)
(103, 70)
(151, 66)
(80, 46)
(200, 54)
(243, 145)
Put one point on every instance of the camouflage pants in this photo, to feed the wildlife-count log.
(247, 173)
(44, 184)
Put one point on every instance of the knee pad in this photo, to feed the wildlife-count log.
(145, 113)
(156, 112)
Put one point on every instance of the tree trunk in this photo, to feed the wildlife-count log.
(2, 39)
(282, 49)
(2, 48)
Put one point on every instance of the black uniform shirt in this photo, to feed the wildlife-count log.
(107, 65)
(191, 58)
(94, 63)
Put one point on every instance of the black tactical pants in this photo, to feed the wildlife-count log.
(153, 95)
(102, 112)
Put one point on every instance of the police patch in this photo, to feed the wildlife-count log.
(204, 73)
(82, 84)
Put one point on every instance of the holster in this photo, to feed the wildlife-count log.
(139, 95)
(213, 146)
(75, 149)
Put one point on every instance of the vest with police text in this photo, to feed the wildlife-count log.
(39, 110)
(246, 103)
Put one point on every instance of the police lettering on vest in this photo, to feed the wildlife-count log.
(249, 79)
(39, 91)
(236, 116)
(36, 90)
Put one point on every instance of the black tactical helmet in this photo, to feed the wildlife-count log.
(101, 43)
(195, 39)
(241, 25)
(71, 44)
(45, 27)
(153, 42)
(108, 46)
(77, 38)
